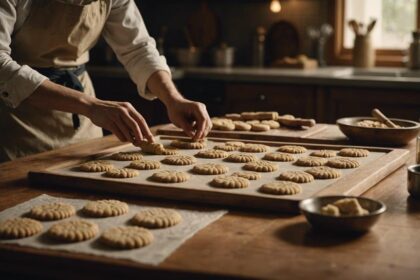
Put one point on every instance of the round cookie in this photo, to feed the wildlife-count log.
(105, 208)
(73, 230)
(324, 172)
(96, 166)
(249, 175)
(229, 182)
(310, 161)
(157, 218)
(271, 123)
(212, 154)
(296, 176)
(52, 211)
(242, 126)
(353, 152)
(179, 160)
(261, 166)
(121, 173)
(168, 151)
(281, 188)
(254, 148)
(251, 122)
(324, 153)
(292, 149)
(241, 158)
(233, 116)
(145, 164)
(170, 176)
(19, 228)
(188, 144)
(223, 124)
(123, 156)
(343, 163)
(210, 169)
(126, 237)
(259, 127)
(224, 147)
(277, 156)
(236, 144)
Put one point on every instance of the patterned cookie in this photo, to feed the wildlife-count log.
(259, 127)
(224, 147)
(277, 156)
(250, 175)
(96, 166)
(19, 228)
(212, 154)
(157, 218)
(271, 123)
(324, 172)
(169, 176)
(121, 173)
(210, 169)
(291, 149)
(230, 182)
(233, 116)
(105, 208)
(151, 148)
(296, 176)
(241, 158)
(310, 161)
(261, 166)
(52, 211)
(126, 237)
(254, 148)
(223, 124)
(242, 126)
(145, 164)
(236, 144)
(343, 163)
(123, 156)
(188, 144)
(168, 151)
(324, 153)
(352, 152)
(281, 188)
(179, 160)
(73, 231)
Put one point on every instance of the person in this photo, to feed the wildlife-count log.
(47, 98)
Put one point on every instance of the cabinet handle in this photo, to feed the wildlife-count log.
(262, 97)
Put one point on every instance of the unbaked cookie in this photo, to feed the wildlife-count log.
(353, 152)
(19, 228)
(236, 144)
(281, 188)
(157, 218)
(224, 147)
(250, 175)
(242, 126)
(96, 166)
(145, 164)
(212, 154)
(277, 156)
(179, 160)
(230, 182)
(296, 176)
(324, 153)
(271, 123)
(249, 115)
(311, 161)
(254, 148)
(156, 149)
(292, 149)
(188, 144)
(170, 176)
(123, 156)
(73, 230)
(105, 208)
(210, 169)
(259, 127)
(261, 166)
(267, 115)
(324, 172)
(223, 124)
(241, 158)
(251, 122)
(126, 237)
(233, 116)
(52, 211)
(343, 163)
(121, 173)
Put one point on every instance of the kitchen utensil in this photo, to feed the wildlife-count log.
(297, 122)
(311, 209)
(282, 40)
(363, 52)
(414, 51)
(224, 56)
(204, 27)
(413, 180)
(188, 57)
(371, 25)
(353, 25)
(376, 113)
(258, 48)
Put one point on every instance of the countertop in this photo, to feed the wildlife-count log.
(242, 244)
(399, 78)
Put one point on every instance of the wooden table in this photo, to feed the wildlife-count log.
(241, 244)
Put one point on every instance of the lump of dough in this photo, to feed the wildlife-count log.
(350, 207)
(330, 210)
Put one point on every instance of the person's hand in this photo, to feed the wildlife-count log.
(121, 118)
(190, 116)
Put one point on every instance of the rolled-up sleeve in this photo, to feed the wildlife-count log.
(17, 82)
(127, 35)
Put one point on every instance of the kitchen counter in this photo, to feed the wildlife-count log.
(241, 244)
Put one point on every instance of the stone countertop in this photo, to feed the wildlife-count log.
(329, 76)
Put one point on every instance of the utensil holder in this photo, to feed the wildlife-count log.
(363, 52)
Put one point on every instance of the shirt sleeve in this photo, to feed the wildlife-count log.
(127, 35)
(17, 82)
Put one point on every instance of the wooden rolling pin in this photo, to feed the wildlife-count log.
(376, 113)
(296, 122)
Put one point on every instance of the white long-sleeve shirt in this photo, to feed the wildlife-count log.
(124, 31)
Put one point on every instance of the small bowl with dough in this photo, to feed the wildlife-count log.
(317, 211)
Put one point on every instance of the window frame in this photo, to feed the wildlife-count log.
(342, 56)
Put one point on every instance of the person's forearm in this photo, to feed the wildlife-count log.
(161, 85)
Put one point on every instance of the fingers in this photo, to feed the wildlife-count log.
(187, 127)
(203, 122)
(117, 132)
(135, 123)
(142, 124)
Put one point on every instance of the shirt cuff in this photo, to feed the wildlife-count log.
(22, 84)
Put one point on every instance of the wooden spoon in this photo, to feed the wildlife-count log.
(376, 113)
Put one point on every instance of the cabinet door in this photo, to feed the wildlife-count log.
(286, 99)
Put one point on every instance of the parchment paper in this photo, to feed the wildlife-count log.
(166, 241)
